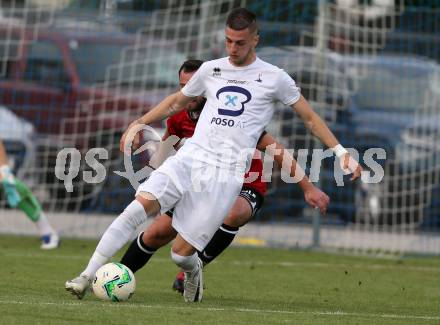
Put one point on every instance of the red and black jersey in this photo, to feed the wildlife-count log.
(182, 126)
(256, 167)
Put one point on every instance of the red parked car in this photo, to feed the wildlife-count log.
(81, 88)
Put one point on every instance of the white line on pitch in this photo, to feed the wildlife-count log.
(213, 309)
(348, 265)
(251, 262)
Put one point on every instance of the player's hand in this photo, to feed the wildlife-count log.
(6, 175)
(317, 199)
(130, 140)
(8, 182)
(351, 166)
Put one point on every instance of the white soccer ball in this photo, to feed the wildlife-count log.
(114, 281)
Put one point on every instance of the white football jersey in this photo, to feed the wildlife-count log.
(240, 103)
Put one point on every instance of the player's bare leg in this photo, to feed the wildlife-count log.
(160, 232)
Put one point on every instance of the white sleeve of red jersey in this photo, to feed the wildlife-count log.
(164, 149)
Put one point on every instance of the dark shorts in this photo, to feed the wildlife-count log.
(254, 199)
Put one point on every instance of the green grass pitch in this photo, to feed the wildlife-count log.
(244, 286)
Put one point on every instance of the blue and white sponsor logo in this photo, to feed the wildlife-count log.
(233, 99)
(222, 121)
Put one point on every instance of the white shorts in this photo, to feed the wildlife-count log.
(201, 195)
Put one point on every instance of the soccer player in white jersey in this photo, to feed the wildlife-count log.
(241, 91)
(248, 203)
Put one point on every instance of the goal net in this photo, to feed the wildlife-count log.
(73, 78)
(372, 72)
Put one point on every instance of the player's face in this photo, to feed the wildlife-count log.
(240, 45)
(184, 78)
(197, 103)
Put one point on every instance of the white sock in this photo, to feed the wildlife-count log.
(117, 235)
(43, 225)
(95, 262)
(186, 263)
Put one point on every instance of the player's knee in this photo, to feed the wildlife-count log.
(149, 202)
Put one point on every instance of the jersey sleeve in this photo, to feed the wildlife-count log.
(287, 91)
(171, 126)
(195, 86)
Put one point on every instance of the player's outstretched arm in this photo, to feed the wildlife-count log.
(169, 106)
(312, 195)
(320, 129)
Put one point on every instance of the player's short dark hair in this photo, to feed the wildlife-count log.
(190, 65)
(241, 18)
